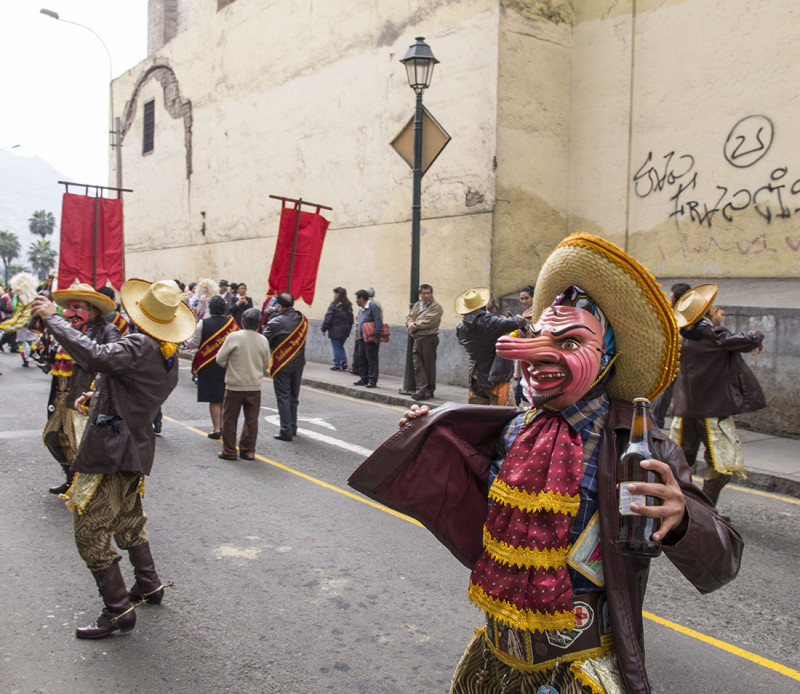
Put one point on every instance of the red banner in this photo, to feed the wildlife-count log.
(307, 252)
(77, 253)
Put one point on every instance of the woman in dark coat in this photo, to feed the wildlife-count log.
(338, 323)
(211, 376)
(239, 303)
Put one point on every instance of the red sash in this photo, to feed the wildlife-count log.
(208, 350)
(286, 350)
(122, 325)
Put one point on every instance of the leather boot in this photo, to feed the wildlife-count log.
(712, 487)
(148, 587)
(118, 612)
(62, 488)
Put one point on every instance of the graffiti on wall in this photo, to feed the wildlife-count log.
(774, 196)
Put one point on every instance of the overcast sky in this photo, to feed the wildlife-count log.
(54, 78)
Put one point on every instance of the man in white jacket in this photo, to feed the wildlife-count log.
(245, 355)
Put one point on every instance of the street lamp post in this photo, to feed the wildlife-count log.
(115, 124)
(419, 63)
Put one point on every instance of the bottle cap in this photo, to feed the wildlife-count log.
(641, 400)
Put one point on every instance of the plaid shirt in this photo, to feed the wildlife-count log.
(587, 417)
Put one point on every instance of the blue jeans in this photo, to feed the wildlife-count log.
(339, 355)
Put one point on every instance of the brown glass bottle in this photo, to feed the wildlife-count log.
(36, 324)
(635, 531)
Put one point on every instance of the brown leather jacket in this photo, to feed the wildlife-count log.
(436, 470)
(713, 380)
(132, 384)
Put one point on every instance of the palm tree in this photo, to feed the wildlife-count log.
(9, 249)
(42, 223)
(42, 257)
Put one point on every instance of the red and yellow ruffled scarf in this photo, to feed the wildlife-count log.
(521, 577)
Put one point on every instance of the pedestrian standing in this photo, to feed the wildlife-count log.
(208, 338)
(338, 323)
(423, 322)
(244, 355)
(368, 339)
(287, 334)
(135, 376)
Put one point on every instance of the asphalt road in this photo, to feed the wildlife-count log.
(286, 581)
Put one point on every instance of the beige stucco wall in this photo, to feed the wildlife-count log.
(677, 77)
(293, 100)
(554, 108)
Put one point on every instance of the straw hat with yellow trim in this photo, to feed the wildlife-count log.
(473, 299)
(156, 309)
(84, 292)
(694, 304)
(644, 326)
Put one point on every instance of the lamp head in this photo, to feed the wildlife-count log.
(419, 62)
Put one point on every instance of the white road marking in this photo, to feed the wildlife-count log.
(324, 438)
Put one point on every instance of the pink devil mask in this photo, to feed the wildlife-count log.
(561, 360)
(78, 314)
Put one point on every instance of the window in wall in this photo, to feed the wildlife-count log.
(149, 126)
(223, 3)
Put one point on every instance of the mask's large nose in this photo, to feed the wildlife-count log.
(526, 349)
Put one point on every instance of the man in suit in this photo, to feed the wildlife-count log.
(423, 325)
(286, 333)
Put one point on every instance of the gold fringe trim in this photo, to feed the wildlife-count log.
(542, 501)
(531, 620)
(578, 673)
(522, 556)
(81, 491)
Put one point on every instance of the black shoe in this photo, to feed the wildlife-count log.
(157, 428)
(360, 382)
(372, 385)
(247, 456)
(216, 435)
(281, 437)
(61, 489)
(227, 457)
(423, 395)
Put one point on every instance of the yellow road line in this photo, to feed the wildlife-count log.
(735, 650)
(333, 488)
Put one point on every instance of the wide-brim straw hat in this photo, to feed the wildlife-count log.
(156, 309)
(84, 292)
(694, 304)
(644, 326)
(472, 299)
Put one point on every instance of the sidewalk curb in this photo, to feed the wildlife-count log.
(371, 394)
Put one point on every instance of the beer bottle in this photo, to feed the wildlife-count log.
(635, 531)
(36, 324)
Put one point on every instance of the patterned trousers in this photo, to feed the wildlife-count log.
(115, 511)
